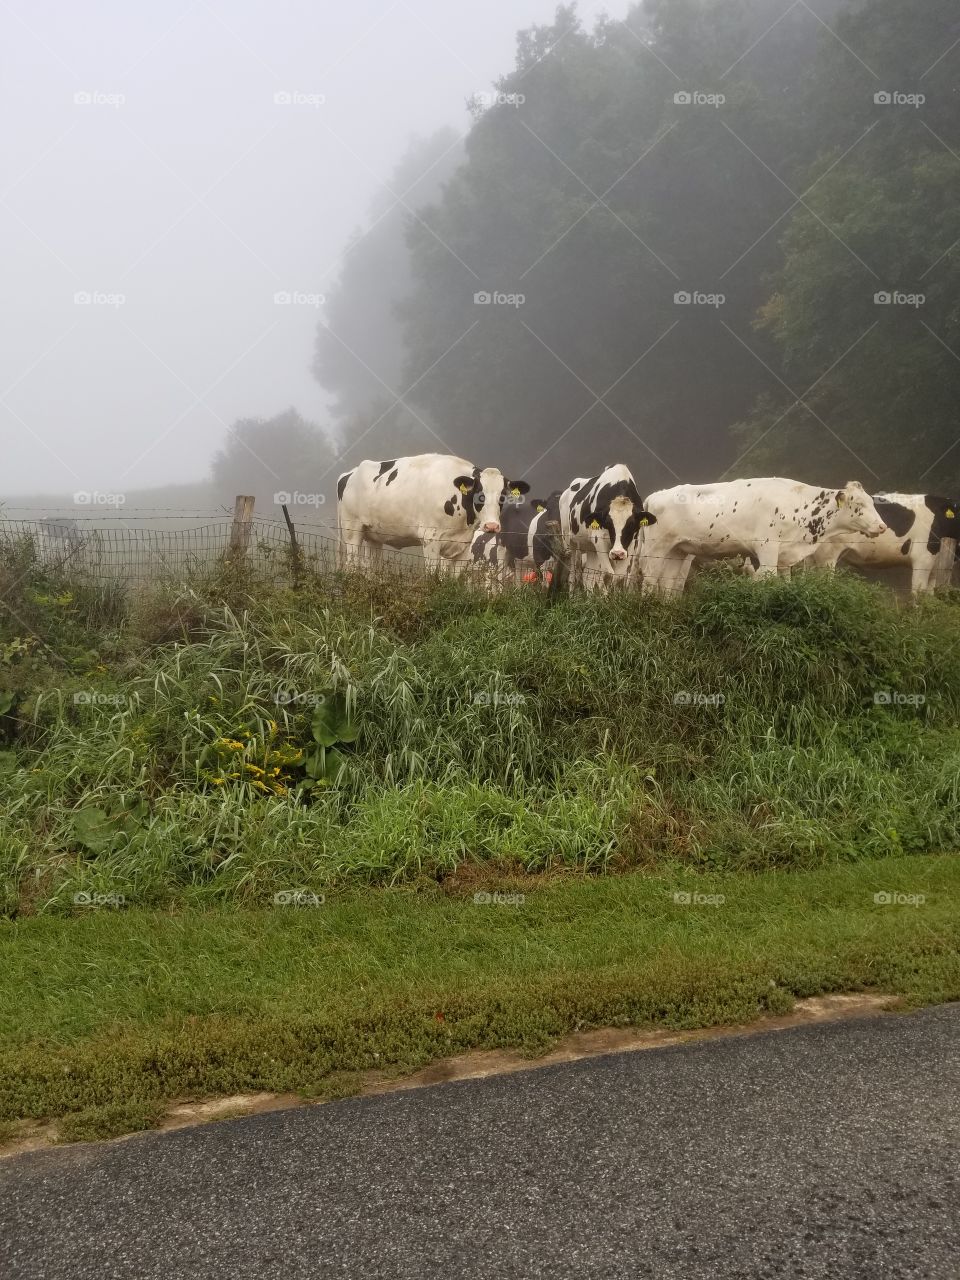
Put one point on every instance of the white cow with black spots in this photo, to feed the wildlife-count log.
(772, 522)
(430, 500)
(917, 524)
(603, 521)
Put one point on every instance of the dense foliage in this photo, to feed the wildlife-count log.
(593, 193)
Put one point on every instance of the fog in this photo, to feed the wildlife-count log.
(705, 240)
(184, 187)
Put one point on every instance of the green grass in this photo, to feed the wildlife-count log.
(147, 754)
(125, 1011)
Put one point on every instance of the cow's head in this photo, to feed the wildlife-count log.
(946, 516)
(854, 511)
(484, 494)
(615, 525)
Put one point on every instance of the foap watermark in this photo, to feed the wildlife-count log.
(87, 899)
(687, 699)
(292, 298)
(488, 99)
(893, 898)
(296, 98)
(485, 699)
(298, 898)
(698, 98)
(98, 498)
(685, 898)
(293, 698)
(96, 298)
(98, 98)
(483, 298)
(895, 98)
(94, 698)
(298, 499)
(898, 299)
(485, 899)
(684, 298)
(894, 698)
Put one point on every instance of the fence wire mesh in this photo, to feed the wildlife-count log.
(140, 550)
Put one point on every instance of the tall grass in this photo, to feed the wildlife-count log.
(749, 724)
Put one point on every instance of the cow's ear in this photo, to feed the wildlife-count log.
(841, 497)
(950, 510)
(648, 517)
(538, 505)
(466, 484)
(517, 487)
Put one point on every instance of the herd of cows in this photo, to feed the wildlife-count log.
(466, 517)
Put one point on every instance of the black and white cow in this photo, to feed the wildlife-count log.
(603, 519)
(523, 546)
(430, 500)
(916, 525)
(772, 522)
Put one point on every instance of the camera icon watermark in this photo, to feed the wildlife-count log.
(685, 898)
(94, 698)
(484, 298)
(293, 298)
(85, 899)
(295, 498)
(897, 299)
(295, 98)
(485, 899)
(686, 298)
(96, 498)
(893, 898)
(292, 698)
(97, 98)
(298, 898)
(485, 699)
(487, 99)
(894, 98)
(686, 699)
(96, 298)
(697, 98)
(893, 698)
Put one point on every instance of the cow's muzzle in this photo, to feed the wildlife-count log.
(619, 554)
(879, 532)
(491, 526)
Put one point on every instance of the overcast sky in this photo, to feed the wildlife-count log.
(145, 157)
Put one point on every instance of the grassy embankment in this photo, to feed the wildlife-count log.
(192, 755)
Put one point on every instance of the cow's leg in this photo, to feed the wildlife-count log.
(921, 570)
(352, 543)
(769, 561)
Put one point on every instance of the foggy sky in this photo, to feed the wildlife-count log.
(197, 198)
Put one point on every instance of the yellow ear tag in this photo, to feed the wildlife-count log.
(594, 524)
(464, 488)
(540, 507)
(950, 513)
(644, 520)
(840, 499)
(515, 492)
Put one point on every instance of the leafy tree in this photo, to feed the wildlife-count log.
(885, 376)
(266, 456)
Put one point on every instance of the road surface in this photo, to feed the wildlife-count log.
(822, 1151)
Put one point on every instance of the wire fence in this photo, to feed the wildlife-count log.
(140, 549)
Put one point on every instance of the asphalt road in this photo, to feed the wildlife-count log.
(827, 1151)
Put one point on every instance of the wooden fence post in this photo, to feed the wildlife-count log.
(942, 575)
(242, 526)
